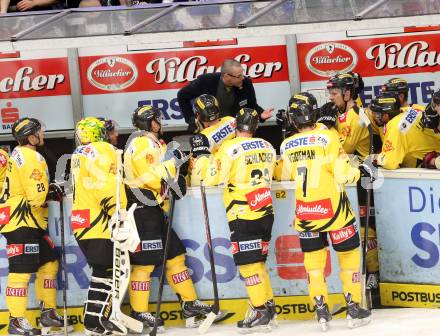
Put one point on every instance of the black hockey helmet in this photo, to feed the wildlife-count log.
(343, 81)
(396, 85)
(327, 114)
(247, 120)
(144, 115)
(23, 128)
(300, 115)
(206, 108)
(305, 97)
(358, 83)
(385, 103)
(109, 124)
(435, 99)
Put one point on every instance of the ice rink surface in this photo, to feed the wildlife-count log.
(385, 322)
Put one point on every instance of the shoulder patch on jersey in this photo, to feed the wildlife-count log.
(86, 150)
(221, 131)
(18, 157)
(407, 120)
(131, 148)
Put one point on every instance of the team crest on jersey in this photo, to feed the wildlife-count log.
(388, 146)
(346, 131)
(36, 175)
(149, 158)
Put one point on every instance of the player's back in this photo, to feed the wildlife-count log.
(246, 169)
(320, 167)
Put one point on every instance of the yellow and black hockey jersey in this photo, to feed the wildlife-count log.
(406, 141)
(353, 133)
(94, 173)
(381, 130)
(24, 191)
(244, 167)
(146, 168)
(218, 133)
(318, 164)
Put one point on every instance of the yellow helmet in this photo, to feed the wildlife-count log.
(90, 130)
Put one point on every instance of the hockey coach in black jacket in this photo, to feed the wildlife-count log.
(231, 88)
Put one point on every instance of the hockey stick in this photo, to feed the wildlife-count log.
(166, 251)
(210, 318)
(63, 265)
(366, 293)
(121, 268)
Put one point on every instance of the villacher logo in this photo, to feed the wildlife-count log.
(327, 59)
(112, 73)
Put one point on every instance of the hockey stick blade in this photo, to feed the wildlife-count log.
(204, 326)
(129, 322)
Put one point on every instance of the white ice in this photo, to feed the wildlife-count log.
(384, 322)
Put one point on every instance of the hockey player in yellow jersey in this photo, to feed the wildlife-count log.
(4, 157)
(94, 174)
(216, 129)
(23, 222)
(399, 87)
(409, 137)
(316, 161)
(148, 164)
(431, 120)
(244, 166)
(353, 132)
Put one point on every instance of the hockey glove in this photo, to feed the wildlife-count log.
(199, 145)
(281, 117)
(55, 192)
(327, 114)
(181, 161)
(428, 159)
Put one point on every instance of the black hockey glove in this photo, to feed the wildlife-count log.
(327, 114)
(55, 192)
(199, 145)
(281, 117)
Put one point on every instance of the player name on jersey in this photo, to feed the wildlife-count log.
(258, 157)
(302, 155)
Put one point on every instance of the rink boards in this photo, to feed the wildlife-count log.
(406, 211)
